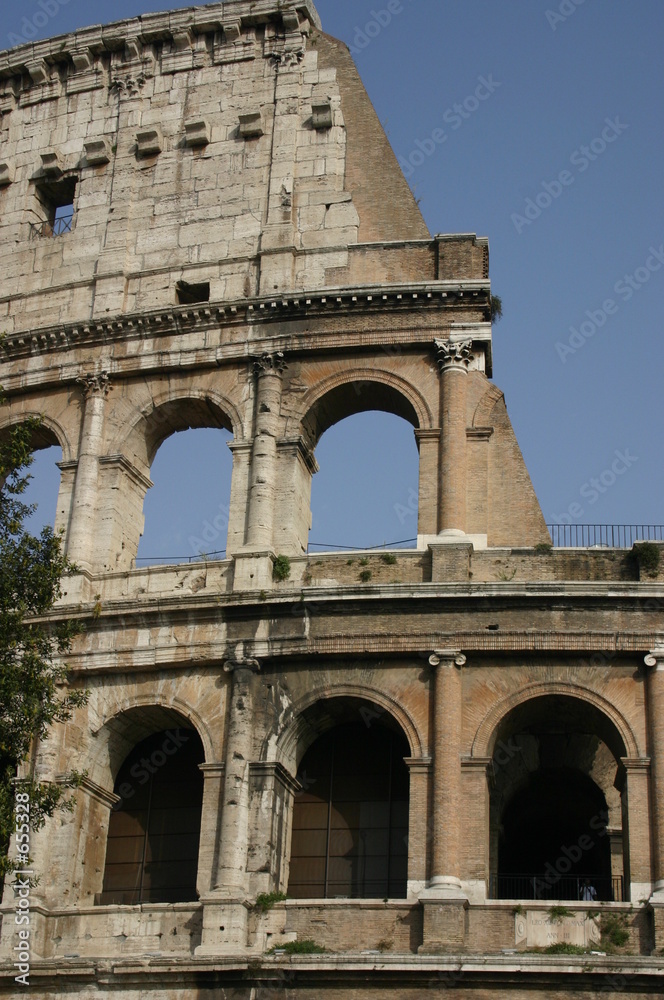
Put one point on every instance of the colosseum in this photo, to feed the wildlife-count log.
(440, 773)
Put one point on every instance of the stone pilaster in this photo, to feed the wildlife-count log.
(655, 707)
(428, 442)
(279, 238)
(419, 769)
(213, 790)
(80, 545)
(636, 852)
(454, 361)
(474, 821)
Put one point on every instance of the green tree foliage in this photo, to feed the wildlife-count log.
(33, 680)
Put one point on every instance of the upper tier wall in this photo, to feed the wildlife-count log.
(222, 145)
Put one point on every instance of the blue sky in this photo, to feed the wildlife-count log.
(553, 148)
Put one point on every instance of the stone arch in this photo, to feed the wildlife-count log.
(297, 734)
(173, 411)
(485, 407)
(50, 433)
(556, 750)
(338, 397)
(133, 720)
(487, 732)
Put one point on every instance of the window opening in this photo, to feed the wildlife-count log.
(350, 822)
(153, 833)
(55, 207)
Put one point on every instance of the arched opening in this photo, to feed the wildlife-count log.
(43, 489)
(187, 510)
(556, 803)
(43, 485)
(365, 493)
(154, 829)
(350, 819)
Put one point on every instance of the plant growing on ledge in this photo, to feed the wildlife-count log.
(615, 932)
(647, 557)
(306, 947)
(557, 913)
(496, 308)
(565, 948)
(266, 900)
(281, 569)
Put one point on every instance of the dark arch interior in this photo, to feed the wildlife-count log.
(350, 821)
(154, 830)
(554, 836)
(554, 713)
(555, 769)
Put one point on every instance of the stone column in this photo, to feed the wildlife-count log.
(444, 901)
(454, 360)
(80, 538)
(262, 483)
(253, 562)
(226, 908)
(655, 707)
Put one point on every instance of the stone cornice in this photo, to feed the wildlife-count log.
(151, 28)
(180, 320)
(544, 645)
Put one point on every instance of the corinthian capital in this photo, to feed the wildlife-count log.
(454, 355)
(269, 364)
(95, 384)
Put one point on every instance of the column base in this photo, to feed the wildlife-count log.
(252, 569)
(445, 917)
(225, 927)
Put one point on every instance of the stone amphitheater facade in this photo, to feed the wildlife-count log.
(202, 224)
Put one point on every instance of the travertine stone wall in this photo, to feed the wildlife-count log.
(233, 146)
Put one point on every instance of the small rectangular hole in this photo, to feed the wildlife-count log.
(187, 294)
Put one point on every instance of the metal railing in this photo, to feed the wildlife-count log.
(178, 560)
(565, 887)
(613, 536)
(57, 227)
(332, 547)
